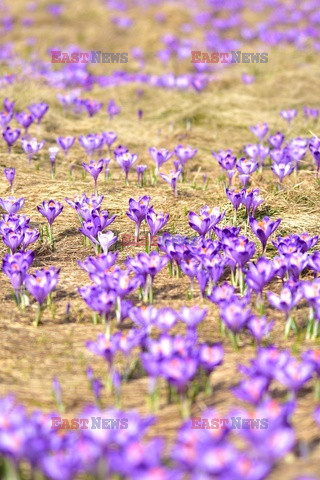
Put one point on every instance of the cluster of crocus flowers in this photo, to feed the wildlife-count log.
(53, 444)
(176, 358)
(250, 199)
(111, 285)
(139, 211)
(93, 220)
(14, 228)
(146, 266)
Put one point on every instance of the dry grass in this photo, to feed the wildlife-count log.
(220, 118)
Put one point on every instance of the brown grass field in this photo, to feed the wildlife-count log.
(220, 118)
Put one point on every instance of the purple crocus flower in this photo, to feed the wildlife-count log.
(143, 316)
(267, 362)
(55, 10)
(279, 155)
(146, 266)
(25, 120)
(10, 173)
(15, 267)
(94, 168)
(227, 162)
(8, 105)
(288, 115)
(11, 205)
(10, 136)
(5, 119)
(41, 283)
(66, 143)
(192, 316)
(113, 109)
(179, 371)
(92, 107)
(53, 152)
(252, 390)
(103, 346)
(235, 315)
(140, 169)
(276, 140)
(282, 170)
(31, 147)
(251, 200)
(38, 110)
(235, 197)
(259, 274)
(109, 138)
(126, 160)
(159, 157)
(156, 221)
(172, 179)
(31, 235)
(138, 211)
(91, 142)
(119, 150)
(13, 239)
(240, 250)
(226, 232)
(10, 222)
(260, 130)
(206, 221)
(97, 223)
(106, 240)
(210, 356)
(184, 154)
(314, 147)
(57, 393)
(286, 301)
(294, 374)
(165, 319)
(221, 294)
(259, 327)
(252, 150)
(263, 229)
(296, 263)
(50, 210)
(311, 112)
(100, 263)
(246, 167)
(98, 299)
(248, 79)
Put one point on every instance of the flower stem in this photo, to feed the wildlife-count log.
(38, 316)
